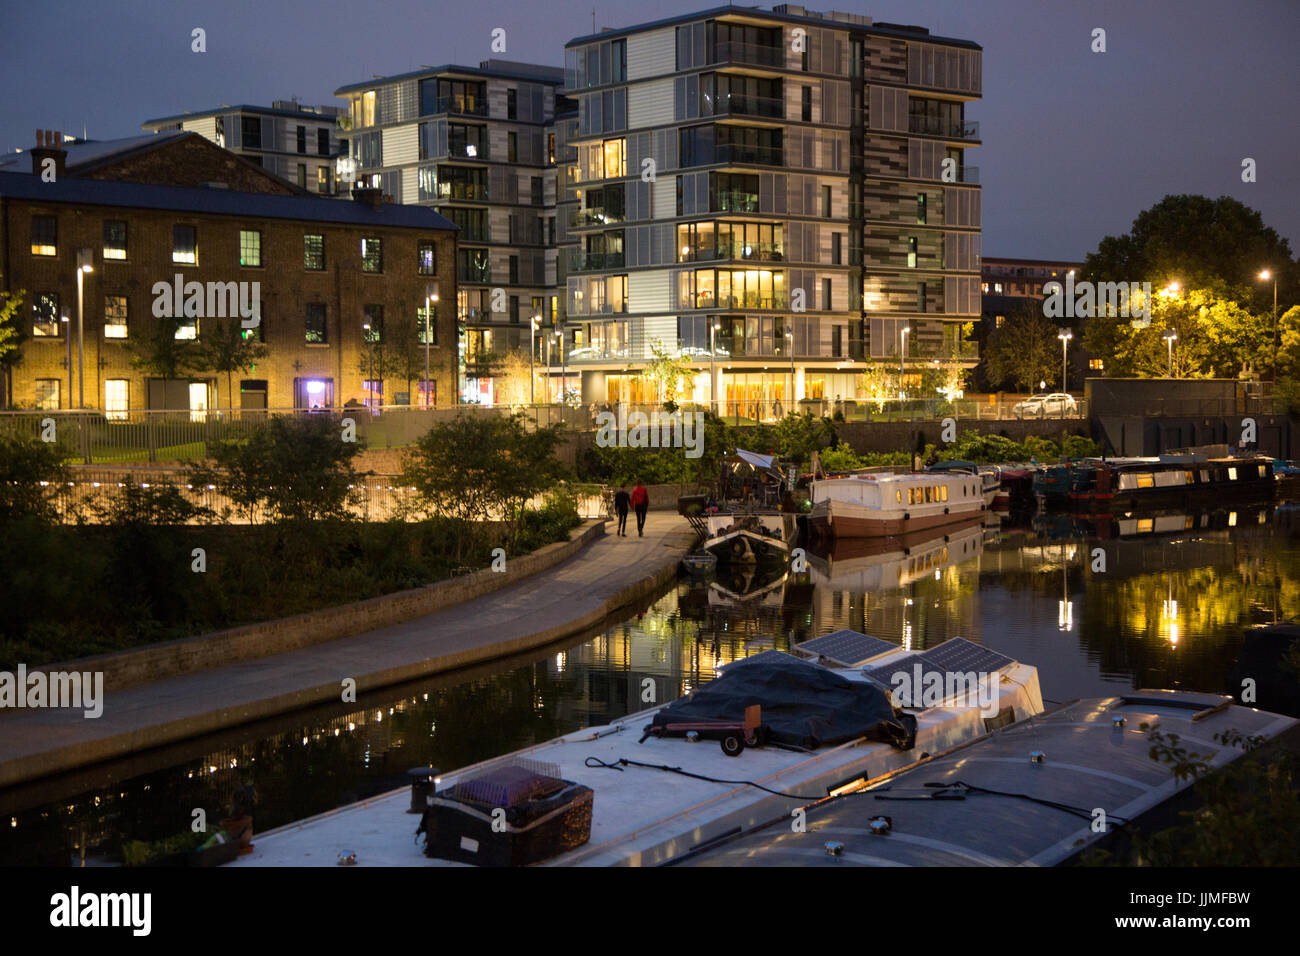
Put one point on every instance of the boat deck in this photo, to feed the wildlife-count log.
(644, 816)
(1089, 762)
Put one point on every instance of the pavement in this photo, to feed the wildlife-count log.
(609, 573)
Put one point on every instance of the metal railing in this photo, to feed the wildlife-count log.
(935, 127)
(752, 53)
(744, 105)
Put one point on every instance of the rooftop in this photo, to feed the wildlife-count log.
(505, 69)
(279, 108)
(216, 201)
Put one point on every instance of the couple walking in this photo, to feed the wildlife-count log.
(640, 500)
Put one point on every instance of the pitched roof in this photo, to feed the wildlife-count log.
(219, 202)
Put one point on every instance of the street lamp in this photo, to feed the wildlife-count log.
(85, 263)
(789, 339)
(1064, 335)
(902, 355)
(429, 297)
(713, 375)
(564, 371)
(532, 354)
(1169, 338)
(67, 338)
(370, 366)
(1265, 276)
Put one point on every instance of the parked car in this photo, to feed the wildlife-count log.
(1055, 405)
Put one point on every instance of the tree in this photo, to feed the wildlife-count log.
(227, 347)
(32, 476)
(157, 351)
(669, 373)
(513, 387)
(1200, 242)
(295, 467)
(404, 350)
(879, 380)
(1024, 350)
(946, 377)
(12, 335)
(480, 465)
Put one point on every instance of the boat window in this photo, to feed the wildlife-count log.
(1146, 525)
(1262, 472)
(928, 494)
(898, 493)
(1205, 475)
(1189, 479)
(1146, 480)
(911, 496)
(1232, 474)
(943, 490)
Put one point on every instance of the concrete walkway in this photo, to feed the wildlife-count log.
(607, 574)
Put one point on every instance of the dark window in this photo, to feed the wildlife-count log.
(45, 236)
(324, 180)
(473, 223)
(185, 245)
(837, 341)
(250, 128)
(537, 190)
(826, 294)
(514, 309)
(806, 104)
(114, 238)
(826, 202)
(322, 142)
(45, 315)
(317, 331)
(514, 270)
(302, 175)
(428, 259)
(374, 319)
(920, 297)
(512, 147)
(512, 106)
(920, 208)
(473, 265)
(302, 139)
(372, 255)
(313, 252)
(618, 52)
(836, 242)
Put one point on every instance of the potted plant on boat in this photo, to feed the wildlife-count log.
(239, 824)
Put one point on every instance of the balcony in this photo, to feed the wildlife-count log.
(749, 300)
(473, 192)
(597, 309)
(461, 105)
(736, 104)
(735, 201)
(736, 251)
(597, 216)
(467, 151)
(751, 54)
(963, 351)
(932, 127)
(595, 261)
(760, 155)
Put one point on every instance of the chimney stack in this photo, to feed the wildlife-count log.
(49, 145)
(370, 195)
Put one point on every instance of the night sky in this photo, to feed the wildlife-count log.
(1076, 143)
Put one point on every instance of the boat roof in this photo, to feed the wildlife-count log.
(953, 464)
(643, 816)
(1089, 760)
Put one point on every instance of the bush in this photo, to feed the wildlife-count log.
(32, 475)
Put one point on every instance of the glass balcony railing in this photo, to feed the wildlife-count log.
(465, 191)
(734, 201)
(597, 217)
(464, 105)
(749, 300)
(592, 261)
(750, 53)
(738, 104)
(753, 252)
(598, 308)
(934, 127)
(943, 350)
(736, 153)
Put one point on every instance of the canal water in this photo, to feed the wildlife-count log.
(1098, 606)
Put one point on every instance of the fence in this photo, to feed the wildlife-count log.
(378, 497)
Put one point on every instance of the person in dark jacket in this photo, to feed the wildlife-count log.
(641, 502)
(621, 502)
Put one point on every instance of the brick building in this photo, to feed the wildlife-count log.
(320, 271)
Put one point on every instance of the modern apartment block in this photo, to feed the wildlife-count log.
(782, 196)
(295, 142)
(479, 145)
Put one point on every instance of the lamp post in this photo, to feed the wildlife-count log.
(713, 375)
(430, 297)
(789, 344)
(85, 263)
(370, 366)
(1266, 275)
(1064, 335)
(564, 371)
(532, 354)
(1169, 338)
(902, 357)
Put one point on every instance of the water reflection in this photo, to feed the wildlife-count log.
(1098, 605)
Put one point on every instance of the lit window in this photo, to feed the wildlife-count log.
(1096, 364)
(45, 236)
(45, 317)
(943, 491)
(1232, 474)
(114, 239)
(185, 245)
(313, 253)
(115, 312)
(372, 255)
(427, 259)
(116, 399)
(47, 393)
(250, 248)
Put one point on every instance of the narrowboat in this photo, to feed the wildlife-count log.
(1126, 483)
(871, 506)
(759, 538)
(990, 476)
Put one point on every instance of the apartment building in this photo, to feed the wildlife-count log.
(479, 145)
(295, 142)
(1010, 285)
(782, 196)
(126, 280)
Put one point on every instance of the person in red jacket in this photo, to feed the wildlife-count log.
(640, 504)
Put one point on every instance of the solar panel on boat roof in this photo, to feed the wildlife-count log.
(884, 674)
(960, 655)
(845, 647)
